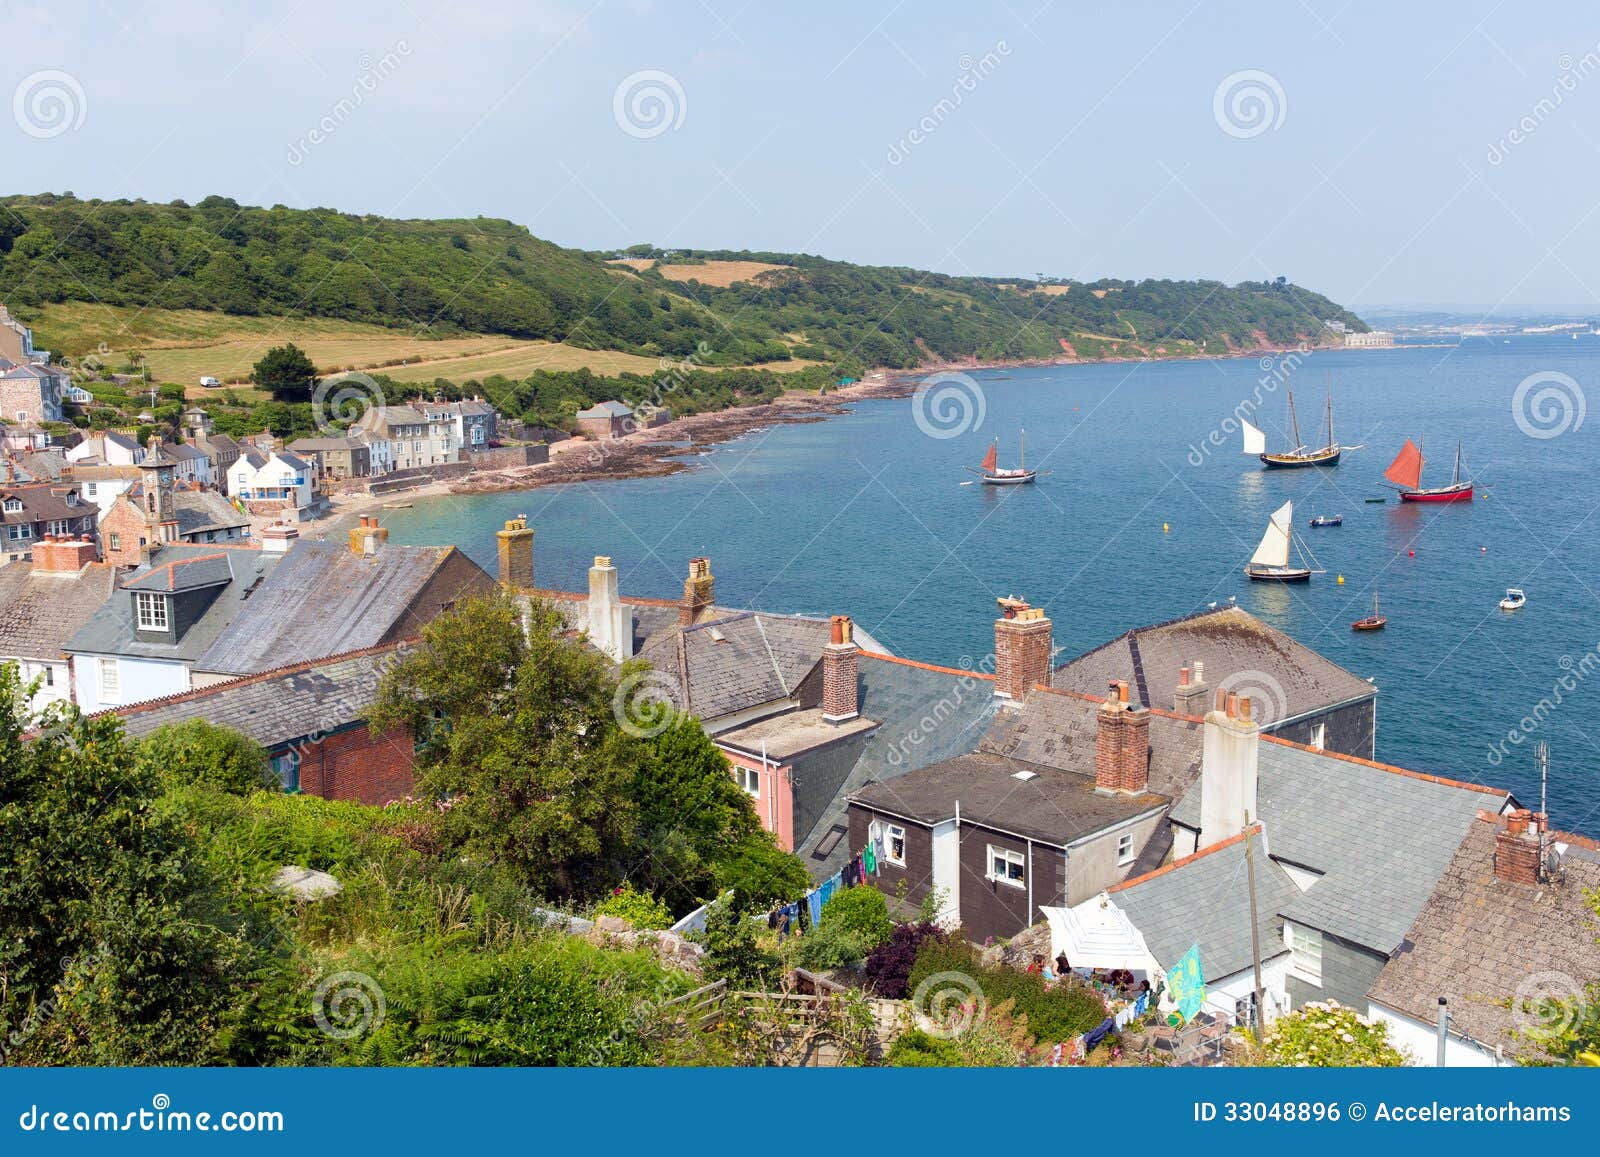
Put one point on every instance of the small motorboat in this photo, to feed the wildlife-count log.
(1373, 622)
(1515, 600)
(1376, 501)
(1328, 520)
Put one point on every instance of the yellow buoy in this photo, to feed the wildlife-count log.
(1341, 580)
(1165, 528)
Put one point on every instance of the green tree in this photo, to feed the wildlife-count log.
(286, 373)
(732, 953)
(518, 735)
(113, 940)
(198, 752)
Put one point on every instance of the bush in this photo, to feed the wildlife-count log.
(918, 1050)
(640, 909)
(890, 963)
(832, 946)
(201, 753)
(1325, 1034)
(863, 912)
(1055, 1013)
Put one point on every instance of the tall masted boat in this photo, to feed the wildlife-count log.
(993, 475)
(1406, 474)
(1270, 563)
(1255, 442)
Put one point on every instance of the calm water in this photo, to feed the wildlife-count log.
(866, 515)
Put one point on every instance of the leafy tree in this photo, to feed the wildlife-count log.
(198, 752)
(863, 911)
(518, 735)
(1326, 1034)
(286, 373)
(114, 947)
(732, 953)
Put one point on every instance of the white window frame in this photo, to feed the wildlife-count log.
(151, 611)
(888, 833)
(1319, 736)
(748, 779)
(1009, 858)
(110, 688)
(1305, 952)
(1125, 851)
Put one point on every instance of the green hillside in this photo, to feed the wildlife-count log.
(486, 276)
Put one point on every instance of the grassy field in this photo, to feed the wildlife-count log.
(719, 273)
(184, 345)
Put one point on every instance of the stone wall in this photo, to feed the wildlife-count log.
(509, 457)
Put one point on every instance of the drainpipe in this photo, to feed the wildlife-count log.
(1027, 918)
(1444, 1028)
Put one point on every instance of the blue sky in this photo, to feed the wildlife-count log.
(1389, 157)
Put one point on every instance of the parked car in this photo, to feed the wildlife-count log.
(210, 383)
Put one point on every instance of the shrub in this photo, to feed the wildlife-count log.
(1327, 1034)
(201, 753)
(640, 909)
(863, 912)
(832, 946)
(890, 963)
(1055, 1013)
(918, 1050)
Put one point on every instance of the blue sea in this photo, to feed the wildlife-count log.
(1142, 518)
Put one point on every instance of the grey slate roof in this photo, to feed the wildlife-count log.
(731, 664)
(1382, 837)
(1230, 641)
(1059, 729)
(653, 619)
(201, 511)
(924, 715)
(1205, 900)
(1479, 939)
(110, 630)
(606, 410)
(170, 575)
(276, 708)
(1052, 806)
(324, 599)
(40, 611)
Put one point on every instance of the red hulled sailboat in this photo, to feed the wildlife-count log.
(1406, 474)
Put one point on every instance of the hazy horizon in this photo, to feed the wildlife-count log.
(1377, 156)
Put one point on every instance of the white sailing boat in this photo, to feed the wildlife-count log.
(1270, 563)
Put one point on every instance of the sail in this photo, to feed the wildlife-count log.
(1274, 548)
(1406, 469)
(992, 457)
(1255, 442)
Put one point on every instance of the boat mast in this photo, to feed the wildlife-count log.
(1294, 423)
(1330, 418)
(1457, 477)
(1024, 448)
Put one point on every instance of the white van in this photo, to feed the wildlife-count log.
(210, 383)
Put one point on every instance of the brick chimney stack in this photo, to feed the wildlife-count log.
(1192, 693)
(1021, 649)
(516, 554)
(841, 669)
(65, 555)
(368, 538)
(278, 538)
(699, 592)
(1229, 762)
(1518, 848)
(1122, 744)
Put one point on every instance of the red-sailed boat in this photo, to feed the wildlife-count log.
(1406, 473)
(995, 475)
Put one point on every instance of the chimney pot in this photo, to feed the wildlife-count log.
(1183, 676)
(841, 671)
(1233, 704)
(1244, 708)
(1199, 671)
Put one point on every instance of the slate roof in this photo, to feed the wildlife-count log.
(171, 575)
(1050, 805)
(725, 665)
(110, 630)
(44, 502)
(1479, 940)
(1381, 836)
(1287, 678)
(1059, 729)
(320, 445)
(202, 511)
(323, 599)
(924, 713)
(40, 611)
(606, 410)
(183, 452)
(279, 707)
(1204, 899)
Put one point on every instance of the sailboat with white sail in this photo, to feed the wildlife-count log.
(1255, 442)
(1270, 563)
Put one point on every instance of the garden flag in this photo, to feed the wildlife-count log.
(1187, 984)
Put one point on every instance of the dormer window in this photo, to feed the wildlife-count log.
(13, 505)
(151, 611)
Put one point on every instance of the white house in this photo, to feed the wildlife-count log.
(273, 483)
(111, 448)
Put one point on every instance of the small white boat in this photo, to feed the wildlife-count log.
(1515, 600)
(1270, 563)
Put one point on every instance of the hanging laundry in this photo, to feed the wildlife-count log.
(829, 887)
(814, 906)
(869, 860)
(877, 848)
(1097, 1034)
